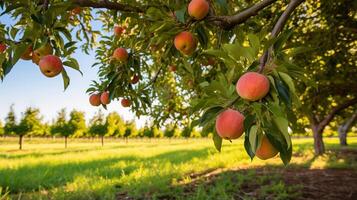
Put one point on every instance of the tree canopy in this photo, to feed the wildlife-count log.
(165, 61)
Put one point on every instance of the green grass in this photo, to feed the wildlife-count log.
(144, 169)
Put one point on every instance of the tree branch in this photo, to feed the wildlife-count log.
(109, 5)
(335, 111)
(228, 22)
(278, 28)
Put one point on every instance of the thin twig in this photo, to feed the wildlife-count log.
(277, 29)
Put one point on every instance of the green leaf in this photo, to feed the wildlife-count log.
(65, 79)
(254, 138)
(18, 51)
(217, 141)
(180, 14)
(202, 36)
(248, 122)
(283, 93)
(72, 63)
(288, 81)
(247, 147)
(254, 42)
(210, 115)
(285, 156)
(283, 124)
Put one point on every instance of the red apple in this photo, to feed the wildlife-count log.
(76, 11)
(40, 52)
(2, 47)
(252, 86)
(120, 54)
(185, 42)
(198, 9)
(51, 65)
(105, 98)
(230, 124)
(172, 68)
(135, 79)
(94, 99)
(27, 55)
(125, 103)
(118, 31)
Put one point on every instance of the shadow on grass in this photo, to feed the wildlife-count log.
(46, 176)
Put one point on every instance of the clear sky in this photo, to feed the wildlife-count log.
(25, 86)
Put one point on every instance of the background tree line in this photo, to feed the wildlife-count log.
(74, 125)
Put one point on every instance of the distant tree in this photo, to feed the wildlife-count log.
(10, 127)
(169, 131)
(114, 124)
(147, 131)
(131, 130)
(77, 123)
(157, 132)
(29, 124)
(60, 126)
(186, 132)
(2, 131)
(97, 126)
(344, 127)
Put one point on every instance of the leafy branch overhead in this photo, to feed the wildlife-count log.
(210, 63)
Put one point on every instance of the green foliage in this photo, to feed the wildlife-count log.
(199, 90)
(30, 122)
(61, 126)
(97, 125)
(77, 124)
(10, 127)
(2, 131)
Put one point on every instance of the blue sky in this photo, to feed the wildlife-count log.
(25, 86)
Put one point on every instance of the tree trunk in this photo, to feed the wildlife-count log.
(343, 129)
(20, 141)
(102, 140)
(65, 142)
(319, 145)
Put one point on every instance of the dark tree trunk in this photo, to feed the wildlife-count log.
(102, 140)
(319, 145)
(20, 141)
(344, 128)
(65, 142)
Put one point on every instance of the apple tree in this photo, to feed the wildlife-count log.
(222, 65)
(61, 126)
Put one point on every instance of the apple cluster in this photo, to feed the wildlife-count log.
(119, 55)
(50, 65)
(251, 86)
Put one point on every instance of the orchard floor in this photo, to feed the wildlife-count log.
(172, 169)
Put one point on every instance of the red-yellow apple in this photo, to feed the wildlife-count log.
(172, 68)
(125, 102)
(252, 86)
(135, 79)
(94, 99)
(76, 11)
(198, 9)
(118, 30)
(2, 47)
(120, 54)
(230, 124)
(266, 149)
(50, 65)
(185, 42)
(40, 52)
(209, 61)
(27, 55)
(105, 98)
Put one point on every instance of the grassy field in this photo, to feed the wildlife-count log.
(155, 169)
